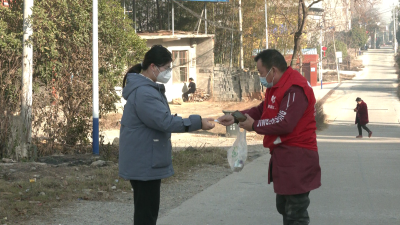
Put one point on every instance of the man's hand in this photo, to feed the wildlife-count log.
(355, 109)
(206, 125)
(226, 120)
(247, 124)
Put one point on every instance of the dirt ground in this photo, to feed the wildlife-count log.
(51, 173)
(211, 110)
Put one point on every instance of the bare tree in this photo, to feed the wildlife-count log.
(302, 18)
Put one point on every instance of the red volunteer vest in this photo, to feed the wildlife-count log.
(303, 135)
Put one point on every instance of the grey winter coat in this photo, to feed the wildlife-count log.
(146, 127)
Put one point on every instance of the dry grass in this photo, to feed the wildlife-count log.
(110, 121)
(193, 158)
(332, 76)
(320, 116)
(397, 59)
(398, 84)
(20, 199)
(356, 65)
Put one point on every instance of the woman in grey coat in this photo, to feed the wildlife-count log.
(145, 136)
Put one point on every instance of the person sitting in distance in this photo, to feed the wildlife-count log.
(192, 89)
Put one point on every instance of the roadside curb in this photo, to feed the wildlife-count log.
(327, 95)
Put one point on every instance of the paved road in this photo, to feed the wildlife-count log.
(360, 177)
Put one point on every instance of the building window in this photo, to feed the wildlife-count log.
(183, 74)
(180, 66)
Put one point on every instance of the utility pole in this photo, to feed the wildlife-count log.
(241, 35)
(95, 83)
(231, 56)
(205, 17)
(173, 18)
(27, 67)
(169, 27)
(266, 24)
(320, 63)
(336, 58)
(394, 28)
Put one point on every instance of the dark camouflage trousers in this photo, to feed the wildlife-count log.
(293, 208)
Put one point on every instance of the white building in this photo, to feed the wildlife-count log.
(193, 56)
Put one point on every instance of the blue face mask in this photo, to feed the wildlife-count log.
(264, 81)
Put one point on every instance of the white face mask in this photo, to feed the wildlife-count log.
(164, 76)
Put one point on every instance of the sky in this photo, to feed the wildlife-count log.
(384, 7)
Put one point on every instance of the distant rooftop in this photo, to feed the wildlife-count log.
(165, 34)
(307, 51)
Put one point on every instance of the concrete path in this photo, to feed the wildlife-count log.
(360, 177)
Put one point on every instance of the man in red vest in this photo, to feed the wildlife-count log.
(286, 118)
(362, 117)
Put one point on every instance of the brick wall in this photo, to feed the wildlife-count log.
(232, 84)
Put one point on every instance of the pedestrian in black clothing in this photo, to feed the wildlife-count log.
(362, 117)
(192, 89)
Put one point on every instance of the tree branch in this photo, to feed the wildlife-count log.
(314, 2)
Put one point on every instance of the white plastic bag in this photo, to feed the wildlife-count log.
(237, 154)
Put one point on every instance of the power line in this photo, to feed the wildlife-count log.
(203, 18)
(389, 10)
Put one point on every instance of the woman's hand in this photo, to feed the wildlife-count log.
(206, 124)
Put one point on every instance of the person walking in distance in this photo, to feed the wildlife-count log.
(286, 118)
(145, 150)
(362, 117)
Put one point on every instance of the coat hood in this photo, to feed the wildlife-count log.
(134, 80)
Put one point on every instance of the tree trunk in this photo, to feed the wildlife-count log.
(302, 14)
(134, 14)
(301, 62)
(147, 19)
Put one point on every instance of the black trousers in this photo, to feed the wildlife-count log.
(146, 200)
(293, 208)
(364, 127)
(185, 96)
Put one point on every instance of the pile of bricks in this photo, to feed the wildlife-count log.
(250, 86)
(226, 84)
(232, 84)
